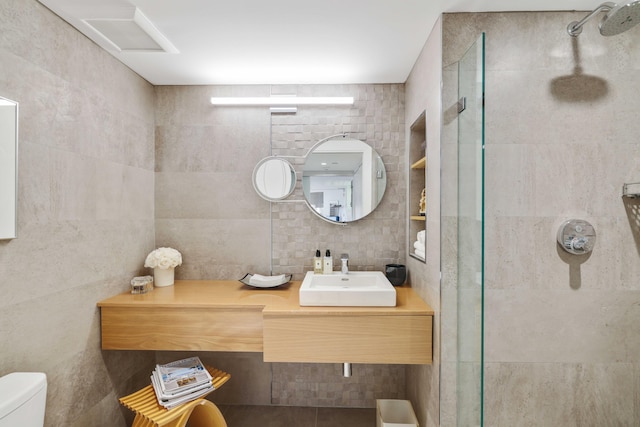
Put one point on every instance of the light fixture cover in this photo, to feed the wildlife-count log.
(283, 100)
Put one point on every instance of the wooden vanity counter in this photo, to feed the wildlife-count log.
(225, 315)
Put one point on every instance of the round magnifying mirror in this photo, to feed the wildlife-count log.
(343, 179)
(274, 178)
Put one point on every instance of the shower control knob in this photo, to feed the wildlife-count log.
(576, 236)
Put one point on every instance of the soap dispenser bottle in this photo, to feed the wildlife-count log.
(328, 263)
(317, 263)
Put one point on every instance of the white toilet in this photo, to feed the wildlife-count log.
(23, 396)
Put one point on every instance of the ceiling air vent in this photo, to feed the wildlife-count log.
(136, 34)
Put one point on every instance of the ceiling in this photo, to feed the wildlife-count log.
(281, 41)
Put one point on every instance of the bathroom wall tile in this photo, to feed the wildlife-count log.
(309, 384)
(515, 164)
(91, 386)
(104, 414)
(58, 256)
(448, 392)
(594, 191)
(543, 326)
(211, 195)
(423, 385)
(217, 249)
(508, 33)
(212, 148)
(626, 236)
(636, 399)
(541, 263)
(508, 258)
(34, 205)
(77, 174)
(109, 189)
(571, 394)
(137, 199)
(566, 119)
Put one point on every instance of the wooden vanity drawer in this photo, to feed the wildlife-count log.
(179, 328)
(348, 339)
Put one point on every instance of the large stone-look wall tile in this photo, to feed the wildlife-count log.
(34, 165)
(216, 148)
(515, 164)
(561, 326)
(593, 190)
(208, 195)
(559, 122)
(570, 394)
(312, 384)
(217, 248)
(57, 256)
(73, 184)
(636, 399)
(137, 200)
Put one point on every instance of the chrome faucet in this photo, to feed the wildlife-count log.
(344, 258)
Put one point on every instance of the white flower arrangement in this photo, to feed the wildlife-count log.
(163, 258)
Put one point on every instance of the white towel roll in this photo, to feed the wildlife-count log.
(421, 236)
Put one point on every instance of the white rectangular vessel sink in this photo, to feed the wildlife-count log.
(354, 289)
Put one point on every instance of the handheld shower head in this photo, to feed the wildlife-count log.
(619, 18)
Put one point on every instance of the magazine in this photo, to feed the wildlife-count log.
(181, 381)
(155, 380)
(177, 400)
(182, 374)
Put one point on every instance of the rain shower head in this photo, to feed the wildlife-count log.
(619, 18)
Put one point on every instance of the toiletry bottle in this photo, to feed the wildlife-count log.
(328, 263)
(317, 263)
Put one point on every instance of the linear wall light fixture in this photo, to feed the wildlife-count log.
(290, 101)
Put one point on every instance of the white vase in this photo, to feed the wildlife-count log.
(163, 277)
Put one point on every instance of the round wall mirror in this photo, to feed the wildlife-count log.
(343, 179)
(274, 178)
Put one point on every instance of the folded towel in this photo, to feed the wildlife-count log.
(418, 246)
(421, 235)
(258, 279)
(420, 253)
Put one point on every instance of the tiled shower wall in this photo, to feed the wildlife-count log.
(561, 335)
(206, 207)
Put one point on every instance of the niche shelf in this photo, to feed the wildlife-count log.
(417, 180)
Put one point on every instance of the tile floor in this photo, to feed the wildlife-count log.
(292, 416)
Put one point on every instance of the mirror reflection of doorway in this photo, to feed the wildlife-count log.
(349, 174)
